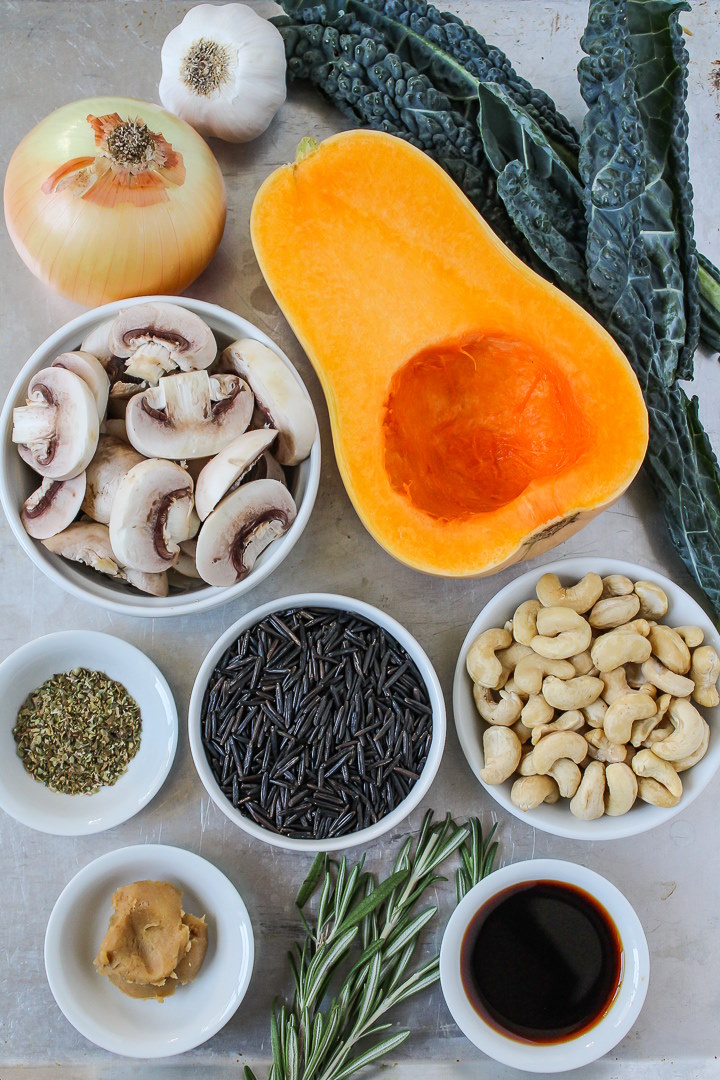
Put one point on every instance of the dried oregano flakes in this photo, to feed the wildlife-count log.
(78, 731)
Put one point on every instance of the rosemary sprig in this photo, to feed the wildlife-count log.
(353, 965)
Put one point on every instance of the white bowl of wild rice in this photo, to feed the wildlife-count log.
(316, 722)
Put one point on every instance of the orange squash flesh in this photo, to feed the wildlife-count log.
(479, 416)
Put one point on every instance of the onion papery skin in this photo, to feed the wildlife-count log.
(94, 253)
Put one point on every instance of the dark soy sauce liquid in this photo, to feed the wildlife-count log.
(541, 961)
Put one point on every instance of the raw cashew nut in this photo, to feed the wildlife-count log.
(640, 626)
(511, 687)
(616, 585)
(561, 633)
(618, 647)
(511, 657)
(530, 791)
(482, 663)
(634, 676)
(615, 685)
(691, 635)
(583, 664)
(504, 712)
(594, 713)
(646, 763)
(623, 713)
(687, 763)
(670, 649)
(614, 611)
(502, 750)
(652, 791)
(659, 734)
(705, 672)
(523, 622)
(536, 711)
(567, 776)
(653, 600)
(560, 744)
(641, 728)
(532, 669)
(567, 721)
(527, 765)
(601, 749)
(688, 734)
(621, 790)
(580, 597)
(523, 733)
(569, 694)
(588, 802)
(666, 680)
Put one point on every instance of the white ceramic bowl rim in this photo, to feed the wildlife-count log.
(557, 818)
(36, 806)
(94, 590)
(587, 1046)
(403, 637)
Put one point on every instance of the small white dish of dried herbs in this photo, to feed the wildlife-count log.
(88, 732)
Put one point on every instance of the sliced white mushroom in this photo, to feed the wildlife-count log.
(88, 542)
(241, 527)
(278, 395)
(112, 460)
(228, 467)
(187, 564)
(57, 430)
(151, 514)
(267, 467)
(97, 341)
(189, 415)
(53, 506)
(91, 371)
(154, 339)
(116, 428)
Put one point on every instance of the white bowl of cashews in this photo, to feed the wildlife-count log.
(142, 513)
(585, 698)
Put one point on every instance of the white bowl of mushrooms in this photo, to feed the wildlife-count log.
(160, 456)
(585, 698)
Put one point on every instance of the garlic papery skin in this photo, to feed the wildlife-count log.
(223, 71)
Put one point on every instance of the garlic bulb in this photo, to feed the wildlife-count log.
(223, 71)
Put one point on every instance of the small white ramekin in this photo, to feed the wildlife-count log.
(557, 819)
(403, 637)
(17, 481)
(609, 1029)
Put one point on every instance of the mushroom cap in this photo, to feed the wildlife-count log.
(57, 431)
(113, 459)
(186, 340)
(240, 527)
(278, 395)
(229, 466)
(97, 341)
(53, 506)
(188, 415)
(151, 514)
(90, 370)
(88, 542)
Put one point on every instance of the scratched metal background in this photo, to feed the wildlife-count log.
(58, 50)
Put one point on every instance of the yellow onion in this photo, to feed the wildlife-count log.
(111, 197)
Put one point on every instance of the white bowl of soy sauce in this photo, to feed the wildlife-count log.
(544, 966)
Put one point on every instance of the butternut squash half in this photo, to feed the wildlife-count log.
(479, 416)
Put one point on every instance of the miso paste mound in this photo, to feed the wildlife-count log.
(151, 944)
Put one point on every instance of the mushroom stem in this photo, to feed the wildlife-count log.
(34, 423)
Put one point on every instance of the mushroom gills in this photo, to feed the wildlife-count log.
(88, 542)
(151, 514)
(188, 415)
(53, 506)
(242, 525)
(57, 430)
(155, 339)
(279, 397)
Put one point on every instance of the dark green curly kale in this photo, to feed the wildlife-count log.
(621, 185)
